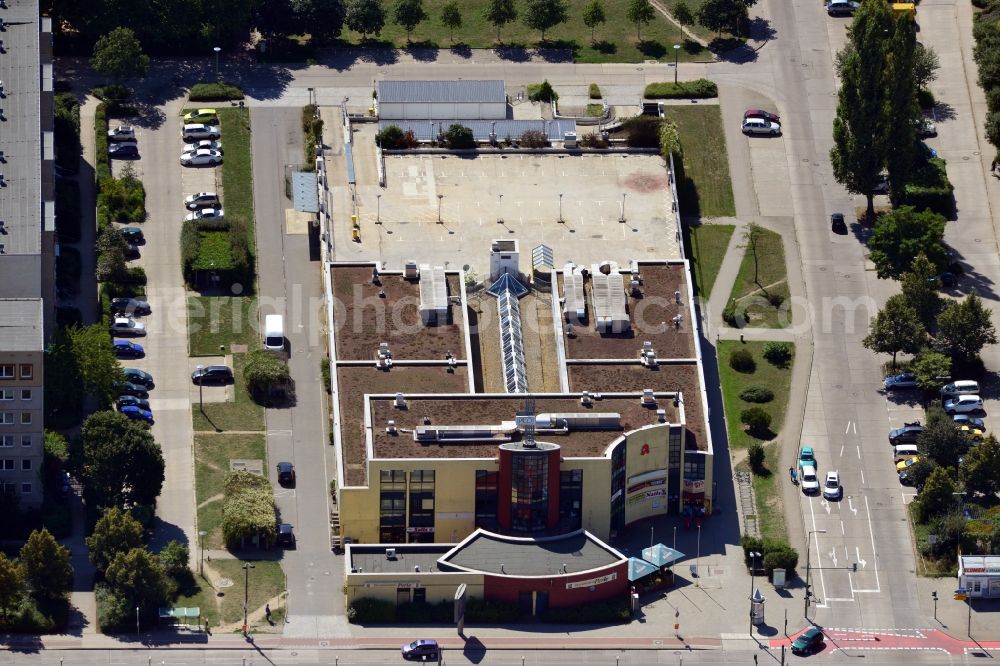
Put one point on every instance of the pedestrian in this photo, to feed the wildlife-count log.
(993, 166)
(267, 613)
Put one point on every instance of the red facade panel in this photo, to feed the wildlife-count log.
(609, 584)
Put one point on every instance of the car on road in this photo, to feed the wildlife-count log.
(831, 487)
(963, 404)
(202, 116)
(199, 131)
(202, 200)
(809, 641)
(966, 419)
(760, 126)
(127, 326)
(205, 214)
(807, 456)
(206, 144)
(137, 376)
(925, 128)
(132, 251)
(201, 158)
(761, 113)
(837, 223)
(126, 349)
(124, 400)
(130, 306)
(906, 462)
(904, 380)
(422, 649)
(907, 434)
(135, 390)
(212, 374)
(133, 235)
(137, 413)
(810, 482)
(286, 474)
(841, 7)
(122, 133)
(123, 150)
(286, 535)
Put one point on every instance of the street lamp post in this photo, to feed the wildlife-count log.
(677, 50)
(440, 197)
(650, 536)
(217, 50)
(136, 620)
(675, 537)
(753, 564)
(201, 397)
(201, 539)
(935, 598)
(499, 209)
(247, 566)
(808, 553)
(697, 559)
(378, 209)
(560, 208)
(622, 218)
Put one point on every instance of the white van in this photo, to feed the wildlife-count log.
(905, 451)
(274, 332)
(961, 387)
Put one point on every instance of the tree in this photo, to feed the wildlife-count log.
(593, 16)
(47, 570)
(264, 372)
(920, 289)
(99, 369)
(718, 15)
(751, 239)
(640, 12)
(119, 461)
(859, 149)
(544, 14)
(670, 140)
(896, 328)
(901, 235)
(138, 576)
(115, 532)
(993, 128)
(365, 16)
(111, 249)
(459, 137)
(980, 469)
(499, 13)
(683, 13)
(11, 584)
(964, 328)
(757, 421)
(925, 65)
(941, 440)
(901, 111)
(937, 496)
(322, 19)
(119, 55)
(756, 456)
(928, 369)
(175, 558)
(409, 14)
(451, 18)
(918, 472)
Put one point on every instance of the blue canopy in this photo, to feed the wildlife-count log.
(639, 569)
(661, 555)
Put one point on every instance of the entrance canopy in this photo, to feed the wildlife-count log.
(638, 569)
(661, 555)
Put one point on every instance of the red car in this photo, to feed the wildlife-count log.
(760, 113)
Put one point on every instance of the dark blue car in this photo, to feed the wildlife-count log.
(126, 400)
(126, 349)
(137, 413)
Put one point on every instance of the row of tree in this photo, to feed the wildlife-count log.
(40, 577)
(986, 30)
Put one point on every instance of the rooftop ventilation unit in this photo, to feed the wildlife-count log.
(574, 303)
(390, 427)
(585, 399)
(433, 295)
(410, 271)
(661, 415)
(400, 401)
(648, 398)
(390, 553)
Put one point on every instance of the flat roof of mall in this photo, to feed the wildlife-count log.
(365, 558)
(549, 556)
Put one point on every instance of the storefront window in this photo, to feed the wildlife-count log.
(674, 469)
(529, 492)
(618, 490)
(421, 527)
(392, 506)
(570, 499)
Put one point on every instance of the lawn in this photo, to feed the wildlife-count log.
(616, 40)
(705, 245)
(237, 176)
(753, 296)
(212, 453)
(221, 320)
(222, 607)
(770, 508)
(766, 374)
(243, 414)
(703, 183)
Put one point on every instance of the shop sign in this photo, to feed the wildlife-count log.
(645, 496)
(420, 530)
(982, 570)
(694, 486)
(592, 582)
(645, 484)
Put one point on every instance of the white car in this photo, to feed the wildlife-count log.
(201, 200)
(760, 126)
(199, 131)
(831, 489)
(205, 214)
(201, 158)
(205, 144)
(122, 133)
(127, 326)
(810, 484)
(963, 404)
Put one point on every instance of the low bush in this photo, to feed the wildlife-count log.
(786, 558)
(755, 456)
(248, 510)
(112, 93)
(697, 89)
(264, 373)
(757, 421)
(103, 165)
(741, 360)
(312, 129)
(542, 92)
(493, 612)
(783, 555)
(459, 137)
(66, 131)
(757, 394)
(442, 612)
(925, 98)
(534, 139)
(599, 613)
(212, 92)
(389, 137)
(593, 140)
(324, 370)
(778, 353)
(930, 188)
(595, 91)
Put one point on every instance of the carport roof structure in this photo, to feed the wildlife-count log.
(471, 91)
(426, 130)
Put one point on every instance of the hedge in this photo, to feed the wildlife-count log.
(699, 88)
(312, 128)
(212, 92)
(68, 268)
(930, 188)
(777, 555)
(101, 140)
(595, 91)
(66, 130)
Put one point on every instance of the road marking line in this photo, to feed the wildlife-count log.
(816, 537)
(841, 451)
(859, 452)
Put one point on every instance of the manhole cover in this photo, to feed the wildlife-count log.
(225, 582)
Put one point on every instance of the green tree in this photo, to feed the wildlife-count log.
(365, 16)
(757, 421)
(918, 472)
(111, 249)
(409, 14)
(937, 496)
(756, 456)
(593, 16)
(640, 12)
(119, 55)
(263, 372)
(116, 531)
(901, 235)
(138, 576)
(920, 289)
(941, 440)
(119, 461)
(544, 14)
(901, 111)
(719, 15)
(499, 13)
(63, 386)
(993, 128)
(925, 65)
(670, 140)
(980, 469)
(683, 13)
(928, 369)
(859, 149)
(322, 19)
(11, 584)
(47, 570)
(459, 137)
(175, 558)
(451, 18)
(751, 241)
(964, 328)
(896, 328)
(99, 369)
(56, 446)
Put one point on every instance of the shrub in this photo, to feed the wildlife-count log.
(212, 92)
(390, 137)
(312, 128)
(595, 91)
(493, 612)
(68, 268)
(925, 98)
(190, 243)
(741, 360)
(778, 353)
(930, 188)
(248, 510)
(756, 420)
(699, 88)
(459, 137)
(786, 558)
(593, 140)
(542, 92)
(103, 166)
(534, 139)
(113, 92)
(755, 456)
(66, 131)
(324, 370)
(264, 373)
(757, 394)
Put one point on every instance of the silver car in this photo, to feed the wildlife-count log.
(761, 126)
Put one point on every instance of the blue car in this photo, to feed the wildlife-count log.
(128, 388)
(131, 400)
(137, 413)
(126, 349)
(140, 377)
